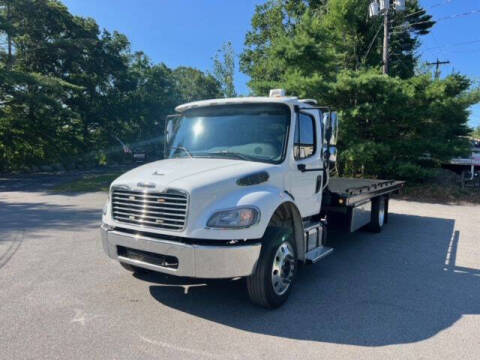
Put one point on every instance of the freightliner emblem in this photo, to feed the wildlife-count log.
(146, 185)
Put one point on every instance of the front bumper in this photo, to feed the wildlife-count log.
(200, 261)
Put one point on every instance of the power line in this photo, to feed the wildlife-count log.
(430, 7)
(468, 51)
(454, 44)
(471, 12)
(371, 42)
(439, 51)
(407, 26)
(440, 4)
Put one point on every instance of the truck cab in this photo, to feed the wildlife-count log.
(242, 192)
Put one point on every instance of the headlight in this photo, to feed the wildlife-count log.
(234, 218)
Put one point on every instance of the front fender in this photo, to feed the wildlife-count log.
(266, 198)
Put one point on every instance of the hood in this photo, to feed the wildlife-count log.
(186, 173)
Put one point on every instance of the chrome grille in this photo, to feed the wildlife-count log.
(165, 210)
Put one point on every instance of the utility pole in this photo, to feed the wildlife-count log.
(382, 7)
(385, 42)
(437, 66)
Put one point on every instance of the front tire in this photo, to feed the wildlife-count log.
(272, 281)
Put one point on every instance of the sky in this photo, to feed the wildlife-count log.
(189, 32)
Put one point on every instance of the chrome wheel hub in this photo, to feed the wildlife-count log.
(283, 268)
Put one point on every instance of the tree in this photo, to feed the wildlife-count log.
(390, 124)
(69, 89)
(357, 41)
(192, 84)
(476, 132)
(153, 97)
(34, 118)
(325, 38)
(224, 69)
(271, 20)
(407, 28)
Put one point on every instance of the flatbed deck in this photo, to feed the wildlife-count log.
(351, 191)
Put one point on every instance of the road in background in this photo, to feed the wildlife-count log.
(411, 292)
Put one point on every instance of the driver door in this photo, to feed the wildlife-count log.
(307, 168)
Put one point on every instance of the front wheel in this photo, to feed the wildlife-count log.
(273, 278)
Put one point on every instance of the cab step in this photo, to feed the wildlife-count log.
(318, 253)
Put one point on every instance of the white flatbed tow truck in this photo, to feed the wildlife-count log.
(244, 191)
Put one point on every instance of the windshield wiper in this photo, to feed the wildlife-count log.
(232, 154)
(183, 148)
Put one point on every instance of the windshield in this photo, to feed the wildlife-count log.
(255, 132)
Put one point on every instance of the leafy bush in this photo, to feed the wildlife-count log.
(389, 126)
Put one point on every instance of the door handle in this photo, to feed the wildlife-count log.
(318, 185)
(303, 168)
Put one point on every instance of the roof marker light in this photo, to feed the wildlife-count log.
(277, 93)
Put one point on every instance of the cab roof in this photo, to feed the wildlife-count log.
(288, 100)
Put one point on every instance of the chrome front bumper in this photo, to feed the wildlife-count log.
(200, 261)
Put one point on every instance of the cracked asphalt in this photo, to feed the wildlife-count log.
(411, 292)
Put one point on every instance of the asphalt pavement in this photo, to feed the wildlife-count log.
(410, 292)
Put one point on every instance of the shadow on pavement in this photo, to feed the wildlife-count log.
(45, 182)
(26, 216)
(396, 287)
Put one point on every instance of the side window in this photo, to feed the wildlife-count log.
(305, 137)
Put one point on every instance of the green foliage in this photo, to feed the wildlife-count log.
(476, 132)
(224, 69)
(297, 59)
(194, 85)
(389, 125)
(357, 39)
(300, 44)
(68, 89)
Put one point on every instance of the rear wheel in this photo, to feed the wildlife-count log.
(134, 269)
(271, 283)
(378, 215)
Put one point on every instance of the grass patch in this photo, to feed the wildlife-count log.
(440, 194)
(88, 183)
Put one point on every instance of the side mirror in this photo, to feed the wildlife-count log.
(330, 153)
(168, 131)
(328, 135)
(326, 153)
(330, 123)
(333, 128)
